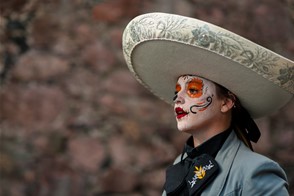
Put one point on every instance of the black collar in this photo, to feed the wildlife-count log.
(211, 146)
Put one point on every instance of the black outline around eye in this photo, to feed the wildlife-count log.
(176, 96)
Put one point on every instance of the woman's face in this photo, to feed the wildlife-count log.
(196, 105)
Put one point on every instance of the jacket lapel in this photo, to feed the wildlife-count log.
(224, 158)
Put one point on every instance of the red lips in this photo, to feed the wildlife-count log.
(180, 113)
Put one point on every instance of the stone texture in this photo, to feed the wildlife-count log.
(121, 82)
(98, 57)
(32, 106)
(154, 179)
(119, 152)
(73, 120)
(114, 10)
(86, 153)
(119, 180)
(44, 30)
(36, 65)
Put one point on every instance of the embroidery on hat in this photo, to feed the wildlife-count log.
(200, 173)
(286, 75)
(182, 30)
(259, 60)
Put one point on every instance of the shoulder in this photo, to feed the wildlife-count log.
(259, 174)
(245, 160)
(252, 161)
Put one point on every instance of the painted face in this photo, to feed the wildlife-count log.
(196, 106)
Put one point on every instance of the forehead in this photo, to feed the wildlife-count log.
(188, 78)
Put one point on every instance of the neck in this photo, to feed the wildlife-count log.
(201, 136)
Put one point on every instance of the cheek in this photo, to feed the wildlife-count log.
(200, 105)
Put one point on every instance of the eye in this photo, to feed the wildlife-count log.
(194, 88)
(193, 91)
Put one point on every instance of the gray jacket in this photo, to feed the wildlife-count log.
(246, 173)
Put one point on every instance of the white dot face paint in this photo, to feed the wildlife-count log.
(196, 106)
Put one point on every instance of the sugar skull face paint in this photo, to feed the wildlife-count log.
(195, 103)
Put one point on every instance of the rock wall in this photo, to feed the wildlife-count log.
(75, 122)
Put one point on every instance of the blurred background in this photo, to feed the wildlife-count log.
(73, 119)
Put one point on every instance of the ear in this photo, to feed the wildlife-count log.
(227, 104)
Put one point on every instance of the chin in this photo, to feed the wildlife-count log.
(184, 129)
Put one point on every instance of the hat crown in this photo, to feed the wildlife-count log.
(161, 26)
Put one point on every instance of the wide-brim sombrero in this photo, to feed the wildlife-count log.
(160, 47)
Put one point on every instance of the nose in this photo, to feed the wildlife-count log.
(178, 99)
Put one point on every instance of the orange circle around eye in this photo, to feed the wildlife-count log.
(178, 88)
(195, 85)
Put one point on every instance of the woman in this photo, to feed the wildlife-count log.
(221, 81)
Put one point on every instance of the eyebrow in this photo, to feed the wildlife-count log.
(191, 78)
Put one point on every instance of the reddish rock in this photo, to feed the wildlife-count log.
(143, 157)
(114, 10)
(82, 83)
(82, 117)
(8, 7)
(263, 145)
(152, 152)
(286, 159)
(119, 180)
(7, 164)
(41, 143)
(132, 130)
(183, 7)
(268, 17)
(31, 106)
(65, 46)
(288, 112)
(84, 34)
(36, 65)
(87, 154)
(285, 139)
(119, 152)
(13, 187)
(151, 192)
(145, 108)
(98, 57)
(72, 89)
(178, 140)
(44, 30)
(109, 11)
(121, 82)
(116, 37)
(153, 179)
(112, 105)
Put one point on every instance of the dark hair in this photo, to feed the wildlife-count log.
(241, 122)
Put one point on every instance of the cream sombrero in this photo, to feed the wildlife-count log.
(159, 47)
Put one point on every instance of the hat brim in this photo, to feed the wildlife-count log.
(158, 61)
